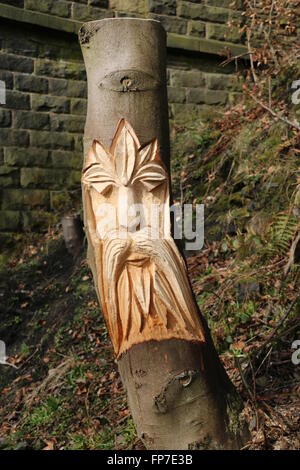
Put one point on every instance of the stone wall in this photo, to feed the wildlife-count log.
(42, 121)
(41, 125)
(195, 18)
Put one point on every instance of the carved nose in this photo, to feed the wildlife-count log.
(127, 218)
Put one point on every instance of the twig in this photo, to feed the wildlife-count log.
(246, 446)
(282, 320)
(286, 332)
(283, 419)
(238, 364)
(4, 363)
(271, 336)
(251, 58)
(268, 34)
(270, 18)
(86, 402)
(231, 59)
(274, 114)
(292, 253)
(253, 379)
(30, 357)
(264, 360)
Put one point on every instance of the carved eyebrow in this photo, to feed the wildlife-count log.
(87, 167)
(129, 81)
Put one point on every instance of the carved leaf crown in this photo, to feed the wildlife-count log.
(126, 163)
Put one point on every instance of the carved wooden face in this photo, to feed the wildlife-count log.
(140, 277)
(128, 185)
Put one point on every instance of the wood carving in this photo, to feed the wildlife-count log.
(139, 274)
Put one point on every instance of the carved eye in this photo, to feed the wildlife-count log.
(128, 80)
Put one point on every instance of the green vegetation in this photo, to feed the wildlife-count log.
(65, 389)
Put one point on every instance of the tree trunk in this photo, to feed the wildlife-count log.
(178, 392)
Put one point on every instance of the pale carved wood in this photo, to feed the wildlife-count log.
(140, 276)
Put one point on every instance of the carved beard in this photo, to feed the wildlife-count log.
(145, 284)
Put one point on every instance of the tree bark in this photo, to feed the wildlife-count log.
(178, 392)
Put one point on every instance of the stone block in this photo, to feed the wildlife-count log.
(78, 143)
(14, 199)
(52, 7)
(60, 69)
(16, 100)
(55, 104)
(79, 107)
(67, 123)
(58, 86)
(14, 137)
(232, 4)
(223, 33)
(176, 95)
(206, 46)
(20, 46)
(9, 220)
(5, 118)
(6, 170)
(201, 95)
(196, 28)
(219, 81)
(64, 159)
(51, 178)
(89, 13)
(203, 12)
(30, 156)
(31, 120)
(70, 88)
(99, 3)
(135, 6)
(14, 3)
(16, 63)
(7, 78)
(127, 14)
(61, 49)
(171, 23)
(44, 178)
(186, 78)
(31, 83)
(52, 140)
(9, 177)
(162, 7)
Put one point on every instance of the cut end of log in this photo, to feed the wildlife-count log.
(90, 28)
